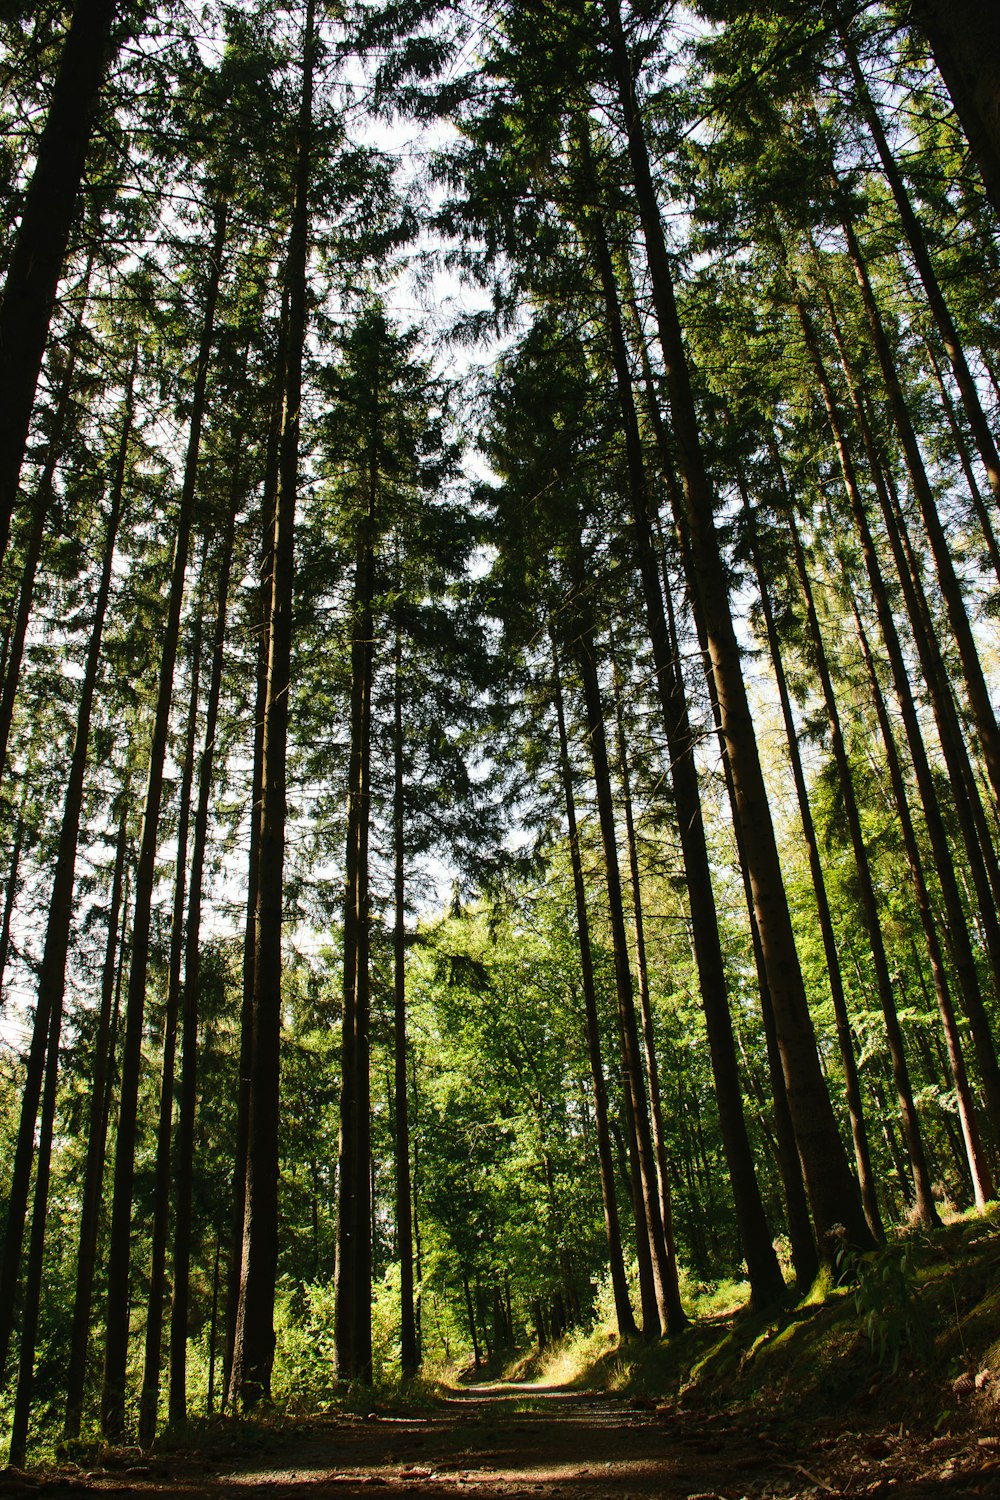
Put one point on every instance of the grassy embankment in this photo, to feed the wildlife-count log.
(915, 1329)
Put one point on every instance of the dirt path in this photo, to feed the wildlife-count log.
(549, 1444)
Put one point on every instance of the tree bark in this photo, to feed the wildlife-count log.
(41, 502)
(754, 1227)
(935, 676)
(253, 1347)
(213, 1323)
(667, 1294)
(765, 1273)
(642, 980)
(470, 1310)
(17, 1451)
(97, 1133)
(921, 259)
(979, 1170)
(958, 437)
(116, 1344)
(39, 248)
(149, 1395)
(805, 1259)
(965, 39)
(612, 1226)
(833, 1192)
(263, 652)
(978, 693)
(10, 898)
(352, 1349)
(923, 1194)
(51, 993)
(409, 1352)
(52, 974)
(845, 1038)
(187, 1107)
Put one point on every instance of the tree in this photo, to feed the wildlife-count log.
(253, 1346)
(391, 462)
(833, 1193)
(52, 978)
(113, 1399)
(39, 248)
(43, 1054)
(965, 40)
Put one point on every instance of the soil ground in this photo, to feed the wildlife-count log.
(551, 1444)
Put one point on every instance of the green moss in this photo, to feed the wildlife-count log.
(822, 1288)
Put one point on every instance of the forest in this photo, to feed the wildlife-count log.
(499, 679)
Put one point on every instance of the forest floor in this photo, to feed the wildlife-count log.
(524, 1440)
(888, 1387)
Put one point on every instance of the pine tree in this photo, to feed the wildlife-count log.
(38, 252)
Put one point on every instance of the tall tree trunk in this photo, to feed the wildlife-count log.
(409, 1354)
(762, 1263)
(642, 980)
(10, 898)
(116, 1344)
(41, 503)
(417, 1247)
(961, 448)
(51, 993)
(921, 259)
(187, 1107)
(17, 1451)
(471, 1312)
(97, 1133)
(982, 1180)
(754, 1227)
(667, 1293)
(805, 1259)
(253, 1347)
(930, 1047)
(149, 1395)
(944, 713)
(263, 652)
(923, 1194)
(833, 1192)
(978, 829)
(352, 1348)
(976, 833)
(52, 974)
(975, 682)
(965, 40)
(22, 616)
(896, 1154)
(213, 1324)
(612, 1227)
(651, 1301)
(845, 1038)
(42, 236)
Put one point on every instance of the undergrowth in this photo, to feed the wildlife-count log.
(912, 1329)
(914, 1323)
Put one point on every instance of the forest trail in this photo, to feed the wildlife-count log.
(547, 1443)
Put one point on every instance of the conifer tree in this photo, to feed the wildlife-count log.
(38, 252)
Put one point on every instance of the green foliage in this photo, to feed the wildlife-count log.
(887, 1300)
(504, 1170)
(303, 1370)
